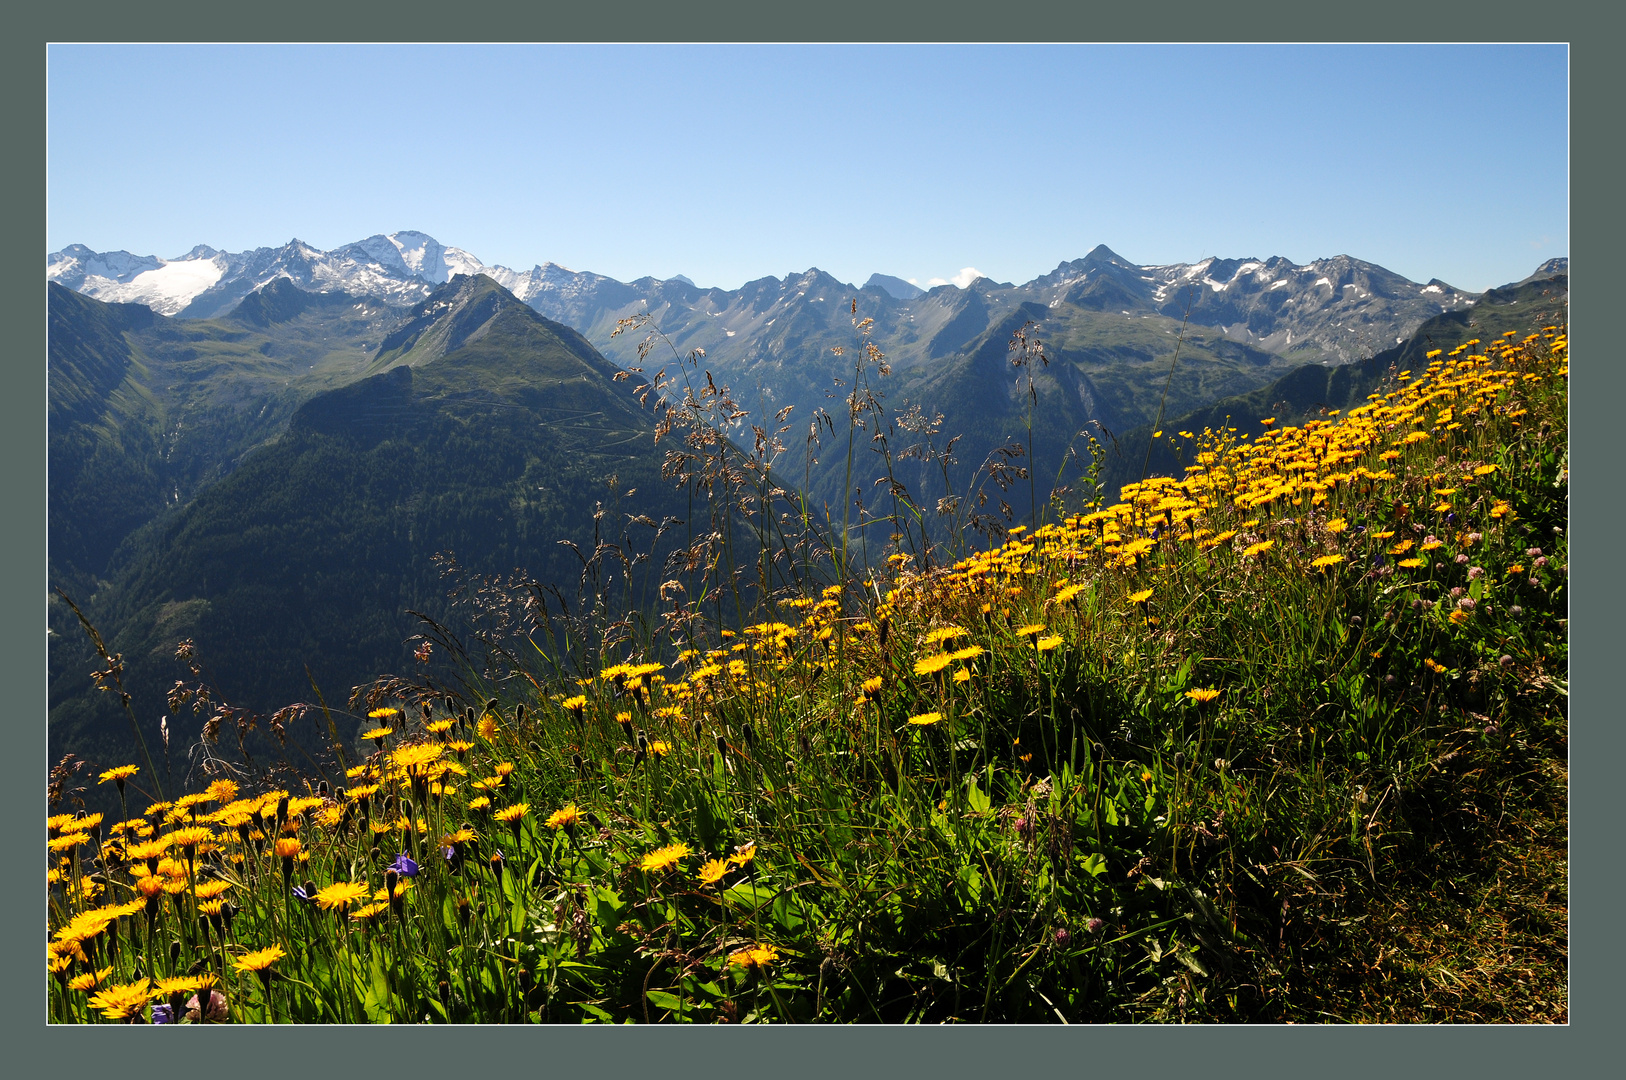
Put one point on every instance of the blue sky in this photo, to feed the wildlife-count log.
(728, 163)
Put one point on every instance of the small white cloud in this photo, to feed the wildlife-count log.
(965, 277)
(913, 282)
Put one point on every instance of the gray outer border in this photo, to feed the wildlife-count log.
(1595, 94)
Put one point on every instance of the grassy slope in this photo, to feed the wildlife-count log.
(1358, 816)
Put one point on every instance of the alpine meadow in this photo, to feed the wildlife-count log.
(1234, 737)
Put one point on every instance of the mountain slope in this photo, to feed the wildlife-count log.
(497, 445)
(1305, 392)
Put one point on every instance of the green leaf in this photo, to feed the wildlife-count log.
(662, 999)
(1095, 865)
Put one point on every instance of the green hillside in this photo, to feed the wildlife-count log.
(497, 445)
(1311, 389)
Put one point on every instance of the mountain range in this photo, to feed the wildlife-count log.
(1329, 310)
(264, 451)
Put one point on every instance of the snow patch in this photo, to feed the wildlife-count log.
(166, 289)
(1279, 283)
(1322, 281)
(1432, 289)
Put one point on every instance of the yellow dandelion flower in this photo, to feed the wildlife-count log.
(1326, 562)
(1030, 629)
(122, 1002)
(1202, 695)
(871, 685)
(664, 858)
(339, 895)
(260, 959)
(89, 980)
(1045, 644)
(487, 728)
(564, 819)
(757, 956)
(512, 814)
(208, 890)
(925, 719)
(713, 871)
(120, 774)
(1140, 597)
(931, 665)
(370, 911)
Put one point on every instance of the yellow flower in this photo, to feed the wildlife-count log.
(1030, 629)
(89, 980)
(871, 685)
(191, 836)
(744, 853)
(383, 714)
(1258, 549)
(122, 1002)
(1435, 666)
(664, 858)
(1326, 562)
(512, 814)
(416, 757)
(757, 956)
(1201, 696)
(712, 872)
(122, 773)
(925, 719)
(487, 727)
(261, 959)
(339, 894)
(1411, 564)
(931, 665)
(1140, 597)
(1045, 644)
(563, 819)
(378, 733)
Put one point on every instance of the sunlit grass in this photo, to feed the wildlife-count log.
(1082, 775)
